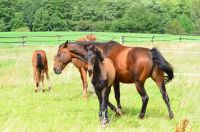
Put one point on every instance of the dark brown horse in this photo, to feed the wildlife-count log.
(103, 75)
(40, 66)
(132, 65)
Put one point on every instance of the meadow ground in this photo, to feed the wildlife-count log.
(64, 109)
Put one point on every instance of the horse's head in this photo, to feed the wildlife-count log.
(92, 55)
(62, 58)
(66, 52)
(91, 37)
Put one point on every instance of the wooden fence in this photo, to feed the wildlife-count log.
(58, 39)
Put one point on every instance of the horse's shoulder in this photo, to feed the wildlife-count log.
(107, 60)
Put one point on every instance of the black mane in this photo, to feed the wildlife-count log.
(99, 55)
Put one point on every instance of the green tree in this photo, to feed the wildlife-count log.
(17, 21)
(186, 23)
(29, 8)
(52, 16)
(195, 14)
(139, 19)
(7, 11)
(2, 26)
(173, 27)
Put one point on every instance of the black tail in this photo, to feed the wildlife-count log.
(160, 61)
(40, 65)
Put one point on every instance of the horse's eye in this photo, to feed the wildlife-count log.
(58, 55)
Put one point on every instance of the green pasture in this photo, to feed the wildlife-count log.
(64, 109)
(52, 38)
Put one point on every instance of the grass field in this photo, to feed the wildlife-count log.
(64, 109)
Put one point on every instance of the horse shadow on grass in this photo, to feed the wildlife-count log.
(133, 112)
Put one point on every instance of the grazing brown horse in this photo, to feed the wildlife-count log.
(40, 66)
(132, 65)
(89, 37)
(103, 75)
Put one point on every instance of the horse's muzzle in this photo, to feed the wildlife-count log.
(57, 71)
(90, 71)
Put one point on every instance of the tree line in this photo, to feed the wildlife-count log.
(146, 16)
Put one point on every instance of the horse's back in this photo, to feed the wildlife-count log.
(131, 61)
(39, 56)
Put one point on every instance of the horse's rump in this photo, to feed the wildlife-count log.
(40, 64)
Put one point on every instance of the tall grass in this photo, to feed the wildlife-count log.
(63, 108)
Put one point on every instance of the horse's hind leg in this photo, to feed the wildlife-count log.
(36, 78)
(141, 90)
(48, 79)
(42, 80)
(83, 73)
(158, 77)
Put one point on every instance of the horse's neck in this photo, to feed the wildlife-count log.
(97, 71)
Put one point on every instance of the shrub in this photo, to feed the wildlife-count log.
(22, 29)
(84, 25)
(173, 27)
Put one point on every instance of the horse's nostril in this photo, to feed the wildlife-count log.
(90, 70)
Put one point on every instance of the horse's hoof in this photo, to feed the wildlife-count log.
(119, 112)
(104, 122)
(141, 116)
(43, 90)
(171, 116)
(35, 90)
(85, 97)
(49, 88)
(92, 93)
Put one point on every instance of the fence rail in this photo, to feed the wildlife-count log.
(56, 39)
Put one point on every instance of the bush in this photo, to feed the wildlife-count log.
(186, 23)
(22, 29)
(101, 26)
(85, 25)
(2, 26)
(17, 21)
(173, 27)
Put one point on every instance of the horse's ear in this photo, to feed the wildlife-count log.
(66, 43)
(93, 48)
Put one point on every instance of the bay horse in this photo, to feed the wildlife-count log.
(103, 75)
(40, 66)
(132, 65)
(82, 66)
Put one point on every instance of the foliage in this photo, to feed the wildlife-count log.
(149, 16)
(173, 27)
(195, 14)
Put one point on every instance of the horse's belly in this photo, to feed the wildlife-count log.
(124, 77)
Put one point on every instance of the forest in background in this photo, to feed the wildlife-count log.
(141, 16)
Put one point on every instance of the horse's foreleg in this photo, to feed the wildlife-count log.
(104, 109)
(117, 96)
(100, 101)
(83, 73)
(141, 90)
(48, 79)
